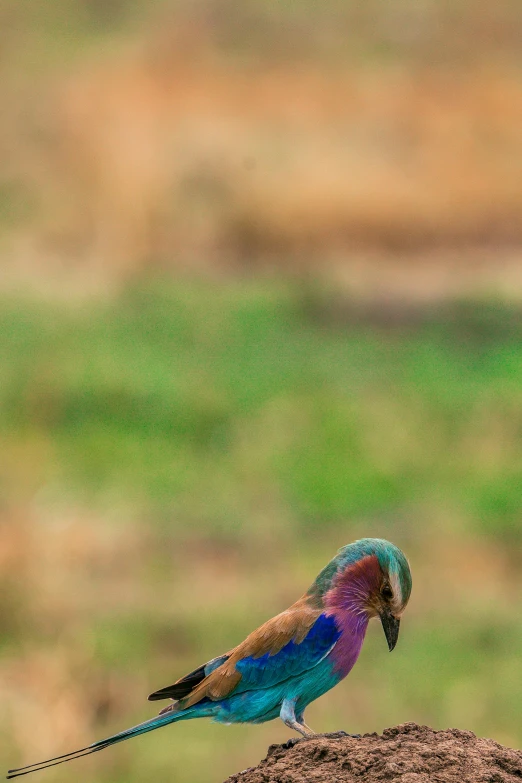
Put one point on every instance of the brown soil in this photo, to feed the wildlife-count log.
(408, 753)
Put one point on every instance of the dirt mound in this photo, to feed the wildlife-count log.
(408, 753)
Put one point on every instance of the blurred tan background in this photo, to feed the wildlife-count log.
(261, 267)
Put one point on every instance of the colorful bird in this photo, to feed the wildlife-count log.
(293, 658)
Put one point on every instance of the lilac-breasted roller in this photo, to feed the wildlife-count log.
(293, 658)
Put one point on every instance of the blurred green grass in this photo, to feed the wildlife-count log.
(181, 459)
(173, 394)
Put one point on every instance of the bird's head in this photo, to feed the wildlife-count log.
(370, 577)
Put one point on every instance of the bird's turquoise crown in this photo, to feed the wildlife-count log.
(390, 557)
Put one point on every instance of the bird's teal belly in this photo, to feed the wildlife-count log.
(258, 706)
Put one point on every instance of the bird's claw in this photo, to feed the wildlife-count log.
(329, 735)
(340, 733)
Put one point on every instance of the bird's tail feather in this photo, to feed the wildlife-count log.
(141, 728)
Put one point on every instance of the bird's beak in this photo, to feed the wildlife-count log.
(390, 626)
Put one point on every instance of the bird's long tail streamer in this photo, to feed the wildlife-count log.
(141, 728)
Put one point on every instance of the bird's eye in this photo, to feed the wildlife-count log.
(387, 592)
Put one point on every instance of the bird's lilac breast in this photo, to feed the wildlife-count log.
(345, 653)
(346, 601)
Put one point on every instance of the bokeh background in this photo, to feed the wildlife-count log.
(261, 269)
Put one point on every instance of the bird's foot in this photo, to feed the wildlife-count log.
(329, 735)
(338, 734)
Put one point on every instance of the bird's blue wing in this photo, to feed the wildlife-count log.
(292, 660)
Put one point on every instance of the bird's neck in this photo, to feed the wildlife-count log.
(349, 601)
(351, 590)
